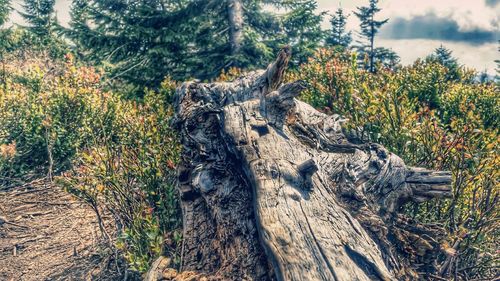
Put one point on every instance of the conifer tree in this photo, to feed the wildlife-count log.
(232, 33)
(142, 41)
(40, 16)
(337, 35)
(4, 16)
(387, 57)
(484, 77)
(369, 29)
(139, 41)
(79, 16)
(302, 29)
(4, 11)
(444, 56)
(497, 76)
(260, 34)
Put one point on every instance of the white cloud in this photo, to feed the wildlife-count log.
(478, 57)
(469, 14)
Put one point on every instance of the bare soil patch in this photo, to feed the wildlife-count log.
(48, 234)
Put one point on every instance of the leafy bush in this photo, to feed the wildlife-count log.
(117, 155)
(130, 171)
(431, 121)
(47, 110)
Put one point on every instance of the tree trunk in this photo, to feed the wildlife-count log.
(235, 12)
(272, 189)
(372, 39)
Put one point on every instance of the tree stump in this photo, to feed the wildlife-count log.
(272, 189)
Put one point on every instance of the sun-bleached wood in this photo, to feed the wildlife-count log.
(273, 189)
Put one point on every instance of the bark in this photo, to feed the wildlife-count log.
(273, 189)
(235, 13)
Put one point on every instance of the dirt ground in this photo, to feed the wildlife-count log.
(47, 234)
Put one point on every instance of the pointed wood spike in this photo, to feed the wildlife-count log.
(276, 71)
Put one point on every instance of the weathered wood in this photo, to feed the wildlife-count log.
(273, 189)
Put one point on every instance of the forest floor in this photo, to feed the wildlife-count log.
(48, 234)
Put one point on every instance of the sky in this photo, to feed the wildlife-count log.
(470, 28)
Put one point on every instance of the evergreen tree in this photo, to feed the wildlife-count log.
(261, 34)
(79, 16)
(497, 77)
(142, 41)
(232, 33)
(387, 57)
(444, 56)
(40, 15)
(139, 41)
(484, 77)
(80, 32)
(302, 29)
(369, 29)
(4, 16)
(337, 36)
(4, 11)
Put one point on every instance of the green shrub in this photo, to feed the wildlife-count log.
(48, 116)
(118, 155)
(431, 121)
(130, 171)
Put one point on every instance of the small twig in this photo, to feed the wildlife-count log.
(31, 191)
(437, 277)
(47, 203)
(19, 185)
(32, 240)
(37, 213)
(3, 220)
(49, 155)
